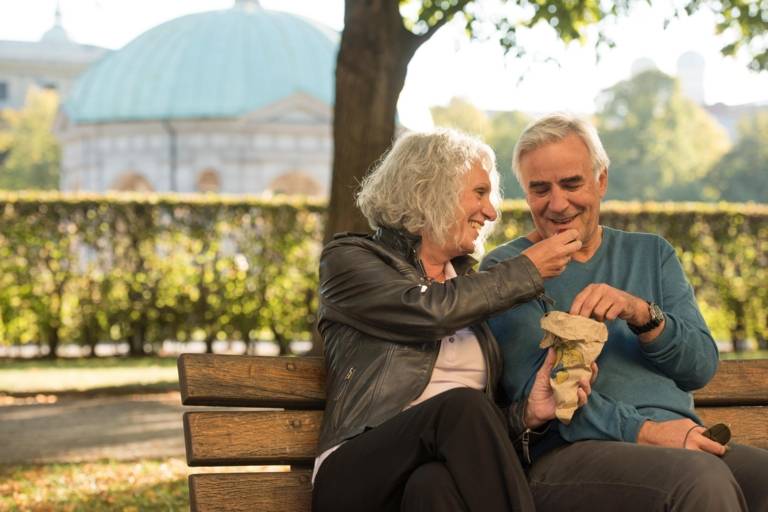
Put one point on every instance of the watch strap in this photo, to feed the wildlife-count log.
(657, 316)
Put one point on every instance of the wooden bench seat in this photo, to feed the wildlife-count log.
(738, 395)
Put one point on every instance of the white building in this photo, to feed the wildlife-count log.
(54, 62)
(235, 101)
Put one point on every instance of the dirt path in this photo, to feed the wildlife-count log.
(122, 427)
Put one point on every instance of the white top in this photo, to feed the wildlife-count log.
(460, 363)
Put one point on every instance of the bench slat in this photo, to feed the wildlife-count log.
(737, 383)
(290, 437)
(265, 492)
(298, 382)
(749, 425)
(255, 381)
(237, 438)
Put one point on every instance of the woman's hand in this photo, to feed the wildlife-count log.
(541, 401)
(551, 255)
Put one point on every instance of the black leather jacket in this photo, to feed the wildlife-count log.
(382, 320)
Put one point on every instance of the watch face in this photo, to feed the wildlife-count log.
(656, 314)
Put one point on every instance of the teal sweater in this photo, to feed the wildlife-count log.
(635, 382)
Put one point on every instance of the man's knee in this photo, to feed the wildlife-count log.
(705, 478)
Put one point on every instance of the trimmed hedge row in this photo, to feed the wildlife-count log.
(145, 268)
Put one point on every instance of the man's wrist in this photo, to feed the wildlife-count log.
(649, 320)
(644, 433)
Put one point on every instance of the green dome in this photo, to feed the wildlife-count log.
(209, 65)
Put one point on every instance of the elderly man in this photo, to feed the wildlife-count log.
(637, 444)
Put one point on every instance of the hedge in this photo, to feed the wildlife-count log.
(146, 268)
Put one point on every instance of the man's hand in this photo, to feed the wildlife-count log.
(604, 302)
(551, 255)
(673, 433)
(541, 400)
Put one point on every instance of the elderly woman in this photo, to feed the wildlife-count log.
(412, 421)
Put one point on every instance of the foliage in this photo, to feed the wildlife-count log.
(660, 143)
(135, 486)
(742, 174)
(92, 268)
(500, 130)
(29, 152)
(462, 115)
(150, 268)
(506, 128)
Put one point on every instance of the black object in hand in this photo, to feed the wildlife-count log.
(719, 433)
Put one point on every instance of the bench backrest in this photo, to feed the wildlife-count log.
(738, 395)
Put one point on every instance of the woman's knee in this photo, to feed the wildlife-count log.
(468, 401)
(431, 487)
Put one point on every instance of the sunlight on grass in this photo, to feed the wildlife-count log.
(137, 486)
(755, 354)
(84, 374)
(95, 486)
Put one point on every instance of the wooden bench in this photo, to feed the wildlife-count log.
(738, 395)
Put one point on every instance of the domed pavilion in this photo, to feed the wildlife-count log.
(233, 101)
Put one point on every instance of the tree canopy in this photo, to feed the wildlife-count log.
(29, 152)
(742, 174)
(499, 129)
(660, 142)
(381, 36)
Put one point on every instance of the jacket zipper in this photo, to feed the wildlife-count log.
(345, 383)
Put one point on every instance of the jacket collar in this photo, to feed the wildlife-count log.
(407, 244)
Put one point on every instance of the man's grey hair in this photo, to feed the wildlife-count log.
(554, 128)
(417, 184)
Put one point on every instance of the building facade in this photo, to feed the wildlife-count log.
(54, 62)
(231, 101)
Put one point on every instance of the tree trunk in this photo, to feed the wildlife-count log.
(53, 342)
(283, 343)
(138, 338)
(370, 73)
(90, 339)
(762, 342)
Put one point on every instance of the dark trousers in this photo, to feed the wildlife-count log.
(594, 476)
(449, 453)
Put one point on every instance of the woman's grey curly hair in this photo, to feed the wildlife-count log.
(417, 184)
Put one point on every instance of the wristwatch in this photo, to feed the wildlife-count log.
(657, 316)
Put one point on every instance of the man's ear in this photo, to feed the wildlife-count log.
(602, 182)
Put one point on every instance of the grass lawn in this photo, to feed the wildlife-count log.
(20, 376)
(754, 354)
(96, 486)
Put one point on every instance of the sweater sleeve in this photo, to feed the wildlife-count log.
(383, 299)
(603, 418)
(685, 350)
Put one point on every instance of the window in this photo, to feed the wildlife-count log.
(132, 182)
(296, 183)
(3, 91)
(208, 181)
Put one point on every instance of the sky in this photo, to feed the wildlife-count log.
(552, 77)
